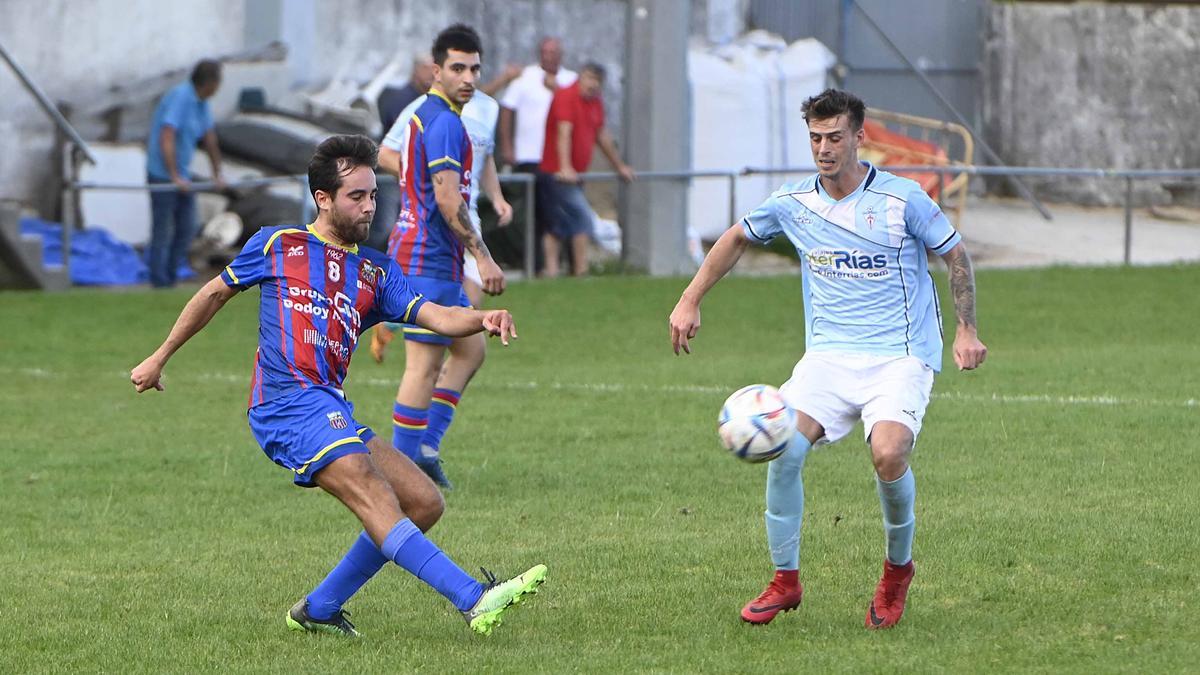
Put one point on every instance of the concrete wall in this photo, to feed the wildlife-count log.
(76, 49)
(1093, 85)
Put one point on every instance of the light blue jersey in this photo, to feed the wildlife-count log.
(865, 275)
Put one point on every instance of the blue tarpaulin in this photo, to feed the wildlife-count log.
(97, 257)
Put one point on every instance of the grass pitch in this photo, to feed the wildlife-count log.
(1057, 503)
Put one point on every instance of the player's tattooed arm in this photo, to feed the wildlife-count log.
(969, 352)
(962, 284)
(460, 220)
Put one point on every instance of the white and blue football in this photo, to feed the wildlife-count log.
(755, 424)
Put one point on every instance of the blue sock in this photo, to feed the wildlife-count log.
(408, 426)
(408, 548)
(785, 504)
(441, 414)
(361, 563)
(897, 498)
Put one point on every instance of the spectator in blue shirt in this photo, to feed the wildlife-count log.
(181, 120)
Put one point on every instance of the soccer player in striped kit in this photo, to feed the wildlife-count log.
(873, 335)
(432, 232)
(319, 291)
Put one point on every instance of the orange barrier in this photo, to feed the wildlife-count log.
(899, 139)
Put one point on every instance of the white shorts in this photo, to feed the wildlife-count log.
(470, 267)
(837, 389)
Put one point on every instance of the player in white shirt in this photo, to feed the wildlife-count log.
(528, 98)
(872, 330)
(479, 116)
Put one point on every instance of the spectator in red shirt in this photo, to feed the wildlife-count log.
(574, 125)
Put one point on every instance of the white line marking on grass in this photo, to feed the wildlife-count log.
(619, 387)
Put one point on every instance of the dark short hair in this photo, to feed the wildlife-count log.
(833, 102)
(460, 37)
(337, 156)
(206, 72)
(596, 69)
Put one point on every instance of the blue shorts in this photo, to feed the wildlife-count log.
(442, 292)
(307, 430)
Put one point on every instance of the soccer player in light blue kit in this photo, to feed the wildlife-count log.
(872, 329)
(319, 291)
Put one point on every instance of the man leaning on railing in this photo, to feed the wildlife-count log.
(181, 120)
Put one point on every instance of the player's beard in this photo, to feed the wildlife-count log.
(348, 229)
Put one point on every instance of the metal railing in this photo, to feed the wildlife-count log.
(306, 209)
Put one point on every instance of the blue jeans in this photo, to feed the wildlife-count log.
(566, 208)
(173, 224)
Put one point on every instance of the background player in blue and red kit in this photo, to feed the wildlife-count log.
(319, 291)
(432, 231)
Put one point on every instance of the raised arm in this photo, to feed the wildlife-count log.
(389, 161)
(969, 352)
(685, 318)
(195, 315)
(506, 136)
(454, 209)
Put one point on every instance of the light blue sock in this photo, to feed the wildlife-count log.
(899, 521)
(785, 504)
(408, 548)
(361, 563)
(408, 426)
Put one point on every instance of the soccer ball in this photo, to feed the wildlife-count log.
(755, 424)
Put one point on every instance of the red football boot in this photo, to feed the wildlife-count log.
(782, 595)
(888, 603)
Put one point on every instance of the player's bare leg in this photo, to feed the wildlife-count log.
(474, 292)
(891, 445)
(785, 510)
(553, 252)
(358, 483)
(466, 356)
(579, 254)
(415, 492)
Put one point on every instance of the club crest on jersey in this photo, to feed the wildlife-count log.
(367, 274)
(337, 421)
(869, 216)
(294, 251)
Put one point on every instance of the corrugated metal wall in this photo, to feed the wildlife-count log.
(943, 37)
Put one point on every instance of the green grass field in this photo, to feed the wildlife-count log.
(1055, 491)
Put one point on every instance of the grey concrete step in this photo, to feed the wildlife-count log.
(21, 264)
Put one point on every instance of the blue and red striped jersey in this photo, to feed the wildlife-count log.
(316, 299)
(422, 241)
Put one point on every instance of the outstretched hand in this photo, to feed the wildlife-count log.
(147, 375)
(684, 323)
(499, 322)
